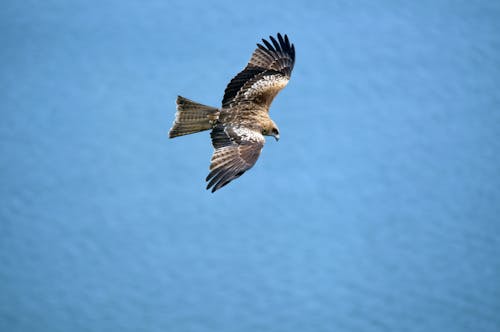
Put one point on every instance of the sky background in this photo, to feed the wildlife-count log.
(378, 209)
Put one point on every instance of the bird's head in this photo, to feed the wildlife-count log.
(271, 129)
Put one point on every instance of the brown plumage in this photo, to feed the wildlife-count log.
(239, 126)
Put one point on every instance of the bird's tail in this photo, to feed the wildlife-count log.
(192, 117)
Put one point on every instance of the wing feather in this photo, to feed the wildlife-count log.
(277, 46)
(236, 151)
(276, 59)
(268, 45)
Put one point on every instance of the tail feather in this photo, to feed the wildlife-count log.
(192, 117)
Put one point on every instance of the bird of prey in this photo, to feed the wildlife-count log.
(239, 126)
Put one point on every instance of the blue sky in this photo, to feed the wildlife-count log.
(377, 210)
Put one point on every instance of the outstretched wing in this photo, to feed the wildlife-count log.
(267, 72)
(236, 151)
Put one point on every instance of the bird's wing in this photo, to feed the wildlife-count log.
(236, 151)
(267, 72)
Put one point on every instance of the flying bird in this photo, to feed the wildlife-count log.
(240, 124)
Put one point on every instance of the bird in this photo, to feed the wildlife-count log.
(238, 127)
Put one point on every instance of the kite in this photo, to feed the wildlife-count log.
(239, 126)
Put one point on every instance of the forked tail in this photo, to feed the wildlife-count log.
(192, 117)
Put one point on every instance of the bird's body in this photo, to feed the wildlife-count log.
(239, 126)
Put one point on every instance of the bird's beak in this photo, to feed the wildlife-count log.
(277, 137)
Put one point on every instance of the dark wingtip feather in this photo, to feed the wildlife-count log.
(223, 181)
(260, 46)
(282, 44)
(268, 45)
(277, 46)
(215, 178)
(211, 175)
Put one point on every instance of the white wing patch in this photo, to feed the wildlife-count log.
(247, 134)
(268, 84)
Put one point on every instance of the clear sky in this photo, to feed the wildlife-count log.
(378, 209)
